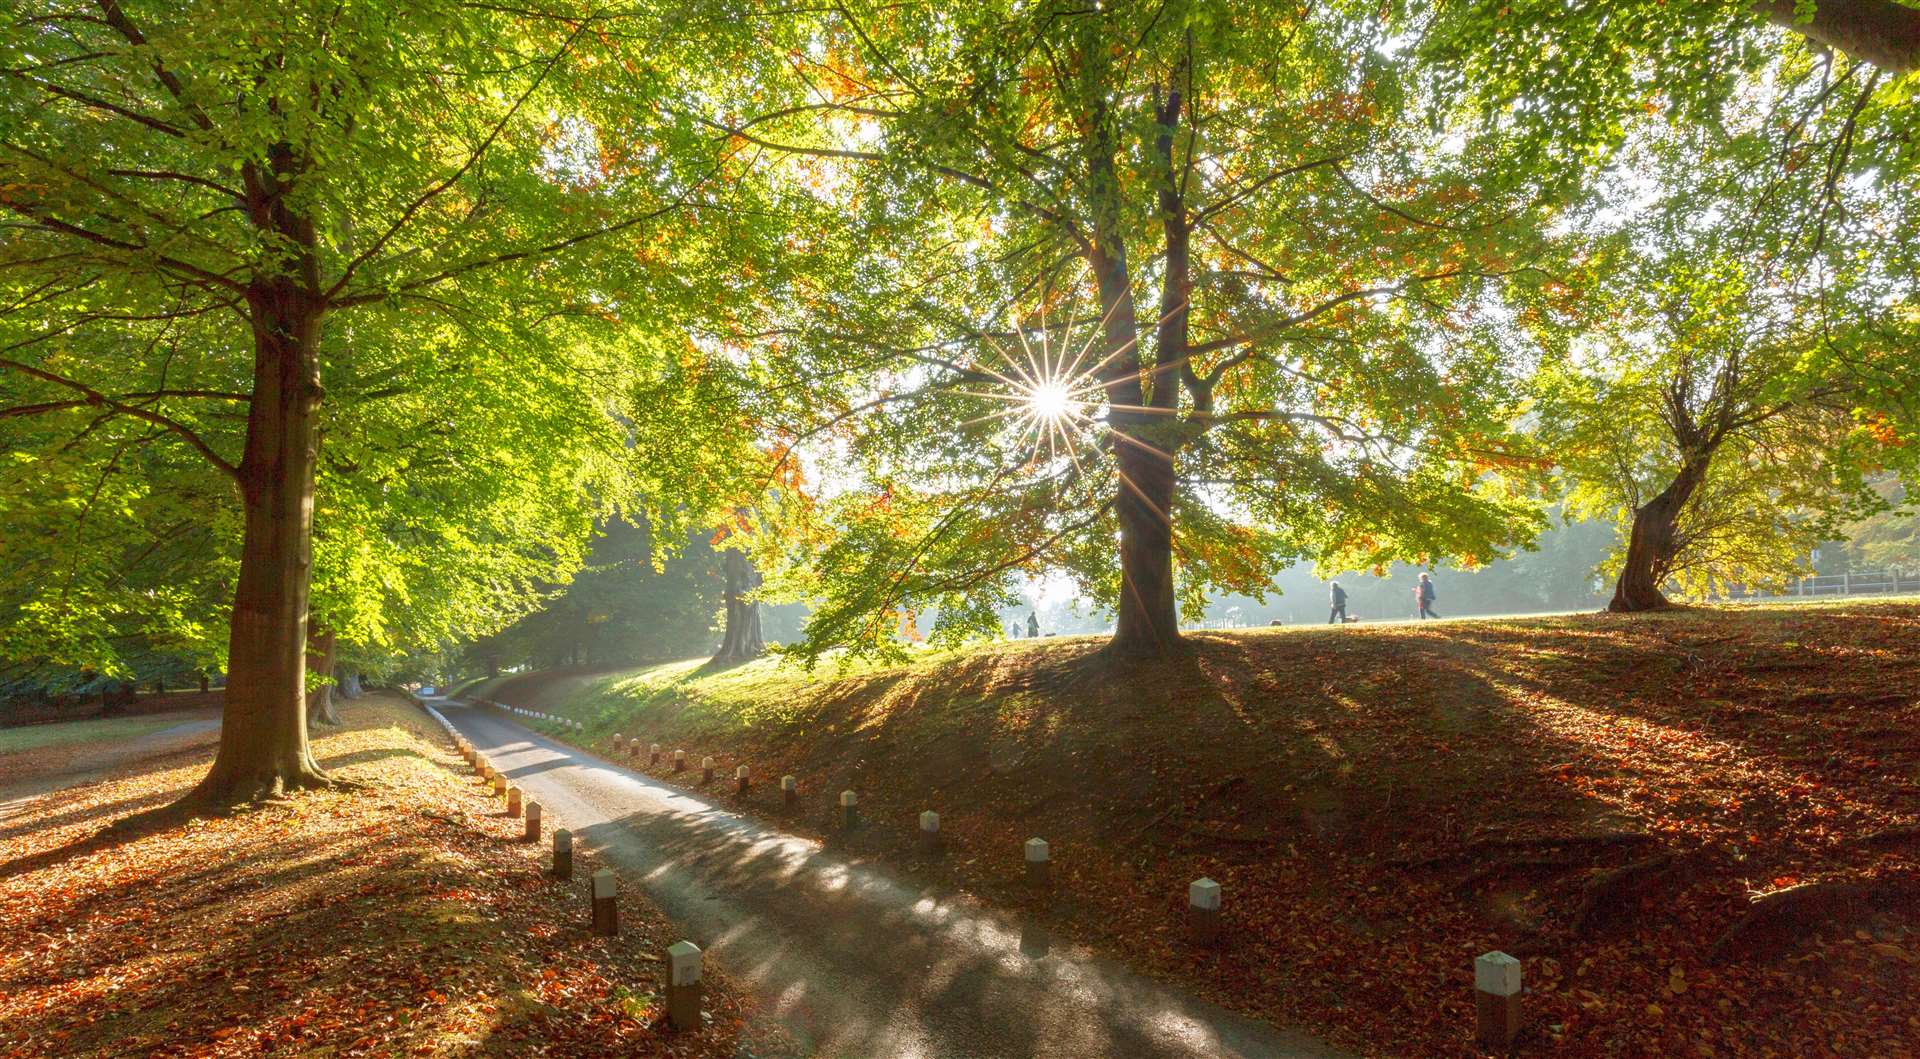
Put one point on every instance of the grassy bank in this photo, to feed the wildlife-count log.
(1607, 796)
(404, 918)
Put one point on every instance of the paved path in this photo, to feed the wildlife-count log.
(90, 760)
(857, 962)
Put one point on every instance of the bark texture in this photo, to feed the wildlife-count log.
(1652, 542)
(742, 641)
(263, 730)
(1881, 32)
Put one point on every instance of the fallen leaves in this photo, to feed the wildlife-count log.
(401, 919)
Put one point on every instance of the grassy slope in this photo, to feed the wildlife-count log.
(403, 919)
(1384, 802)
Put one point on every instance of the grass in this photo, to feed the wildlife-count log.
(401, 918)
(40, 736)
(1604, 795)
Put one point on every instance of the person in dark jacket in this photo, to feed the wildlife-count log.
(1338, 596)
(1033, 624)
(1423, 595)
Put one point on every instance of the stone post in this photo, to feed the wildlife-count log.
(653, 754)
(789, 790)
(683, 985)
(706, 769)
(929, 832)
(1203, 911)
(562, 853)
(514, 798)
(679, 761)
(849, 810)
(740, 780)
(606, 918)
(533, 821)
(1496, 993)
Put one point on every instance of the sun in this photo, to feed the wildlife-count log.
(1051, 401)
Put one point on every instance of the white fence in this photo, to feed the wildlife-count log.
(1855, 583)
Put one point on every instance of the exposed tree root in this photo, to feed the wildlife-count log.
(1615, 890)
(1775, 921)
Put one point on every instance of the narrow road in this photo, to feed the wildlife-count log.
(855, 961)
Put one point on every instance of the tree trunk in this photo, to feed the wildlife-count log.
(1149, 621)
(742, 641)
(1650, 544)
(1881, 32)
(263, 730)
(320, 652)
(349, 685)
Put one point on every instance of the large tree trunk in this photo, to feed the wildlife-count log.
(742, 641)
(1650, 544)
(320, 654)
(1881, 32)
(1149, 621)
(263, 730)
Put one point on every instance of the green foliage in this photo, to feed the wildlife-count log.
(993, 182)
(491, 208)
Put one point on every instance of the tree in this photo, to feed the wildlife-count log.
(1162, 294)
(285, 169)
(1728, 409)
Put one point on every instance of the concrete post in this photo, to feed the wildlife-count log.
(617, 740)
(849, 810)
(1496, 993)
(679, 761)
(740, 780)
(514, 798)
(1039, 862)
(653, 755)
(533, 821)
(706, 769)
(499, 785)
(562, 854)
(606, 918)
(929, 831)
(789, 790)
(683, 985)
(1203, 911)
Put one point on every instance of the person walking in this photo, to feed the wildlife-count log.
(1338, 597)
(1033, 624)
(1423, 595)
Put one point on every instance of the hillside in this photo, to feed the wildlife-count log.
(1637, 805)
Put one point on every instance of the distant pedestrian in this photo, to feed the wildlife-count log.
(1338, 597)
(1423, 595)
(1033, 624)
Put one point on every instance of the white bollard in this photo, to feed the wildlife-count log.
(1039, 862)
(1203, 911)
(1496, 989)
(683, 985)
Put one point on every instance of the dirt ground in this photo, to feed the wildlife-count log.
(405, 917)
